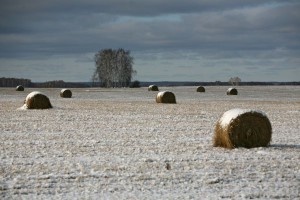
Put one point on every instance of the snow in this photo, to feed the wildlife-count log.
(160, 94)
(24, 107)
(232, 114)
(32, 94)
(63, 90)
(117, 144)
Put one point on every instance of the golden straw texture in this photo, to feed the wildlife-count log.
(37, 100)
(249, 129)
(200, 89)
(152, 88)
(66, 93)
(232, 91)
(165, 97)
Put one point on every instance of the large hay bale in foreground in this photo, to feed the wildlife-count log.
(152, 88)
(37, 100)
(232, 91)
(19, 88)
(165, 97)
(200, 89)
(242, 128)
(65, 93)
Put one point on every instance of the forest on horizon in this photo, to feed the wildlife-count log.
(14, 82)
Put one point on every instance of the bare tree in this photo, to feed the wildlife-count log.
(234, 80)
(113, 68)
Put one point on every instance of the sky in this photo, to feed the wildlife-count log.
(170, 40)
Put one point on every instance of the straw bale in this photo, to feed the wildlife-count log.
(242, 128)
(65, 93)
(232, 91)
(153, 88)
(19, 88)
(200, 89)
(165, 97)
(37, 100)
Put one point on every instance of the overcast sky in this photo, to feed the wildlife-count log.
(170, 40)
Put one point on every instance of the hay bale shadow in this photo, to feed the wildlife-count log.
(285, 146)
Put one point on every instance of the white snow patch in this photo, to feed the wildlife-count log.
(262, 152)
(161, 94)
(32, 94)
(232, 114)
(24, 107)
(63, 90)
(121, 153)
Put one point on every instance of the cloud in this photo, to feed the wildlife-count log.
(124, 7)
(243, 28)
(213, 35)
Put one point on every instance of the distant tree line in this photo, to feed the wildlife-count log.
(213, 83)
(14, 82)
(59, 84)
(113, 68)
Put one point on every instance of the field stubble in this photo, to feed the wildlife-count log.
(119, 143)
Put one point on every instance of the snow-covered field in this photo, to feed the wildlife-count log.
(121, 144)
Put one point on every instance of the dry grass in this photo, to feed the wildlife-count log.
(114, 143)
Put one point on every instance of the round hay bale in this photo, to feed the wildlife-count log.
(232, 91)
(165, 97)
(153, 88)
(242, 128)
(66, 93)
(19, 88)
(200, 89)
(37, 100)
